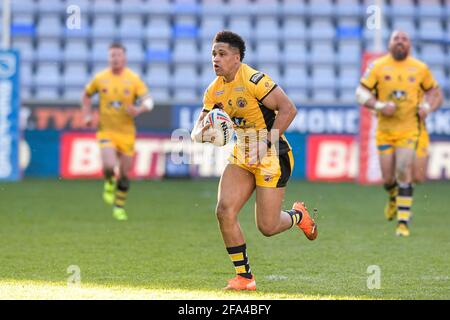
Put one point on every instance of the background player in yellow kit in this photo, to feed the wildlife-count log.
(119, 89)
(261, 112)
(402, 90)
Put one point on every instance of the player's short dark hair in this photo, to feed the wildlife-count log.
(117, 45)
(233, 39)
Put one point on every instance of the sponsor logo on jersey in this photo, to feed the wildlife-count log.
(241, 102)
(239, 89)
(412, 79)
(398, 95)
(218, 93)
(256, 77)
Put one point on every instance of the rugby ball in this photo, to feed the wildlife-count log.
(221, 124)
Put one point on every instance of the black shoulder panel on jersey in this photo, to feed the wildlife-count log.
(256, 77)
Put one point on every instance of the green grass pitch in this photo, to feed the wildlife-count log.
(171, 248)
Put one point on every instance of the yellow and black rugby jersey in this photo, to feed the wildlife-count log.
(402, 82)
(242, 99)
(116, 93)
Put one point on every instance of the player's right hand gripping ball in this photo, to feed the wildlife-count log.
(222, 125)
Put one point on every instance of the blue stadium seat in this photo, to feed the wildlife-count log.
(431, 8)
(55, 7)
(22, 26)
(158, 75)
(210, 26)
(73, 94)
(158, 28)
(207, 75)
(407, 25)
(349, 52)
(23, 6)
(401, 8)
(267, 51)
(158, 51)
(293, 29)
(160, 95)
(349, 8)
(321, 29)
(430, 28)
(26, 74)
(243, 24)
(323, 77)
(47, 76)
(320, 8)
(25, 47)
(322, 53)
(108, 7)
(205, 54)
(185, 26)
(295, 77)
(267, 28)
(99, 52)
(185, 7)
(295, 52)
(49, 26)
(85, 6)
(76, 50)
(239, 8)
(131, 27)
(104, 26)
(75, 75)
(187, 96)
(135, 51)
(433, 54)
(133, 7)
(349, 77)
(293, 8)
(214, 8)
(439, 75)
(266, 8)
(49, 50)
(185, 50)
(74, 32)
(185, 76)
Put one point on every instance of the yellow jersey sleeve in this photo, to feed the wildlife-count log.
(260, 85)
(92, 87)
(141, 88)
(428, 81)
(370, 77)
(208, 102)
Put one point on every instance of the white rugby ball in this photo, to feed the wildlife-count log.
(222, 124)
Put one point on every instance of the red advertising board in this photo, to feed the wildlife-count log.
(331, 158)
(80, 156)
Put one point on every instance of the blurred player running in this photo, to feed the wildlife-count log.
(119, 89)
(402, 91)
(262, 158)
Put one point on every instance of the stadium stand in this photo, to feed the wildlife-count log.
(314, 47)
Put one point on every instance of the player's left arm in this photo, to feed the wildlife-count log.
(433, 96)
(277, 100)
(145, 100)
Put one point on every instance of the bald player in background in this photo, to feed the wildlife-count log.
(402, 91)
